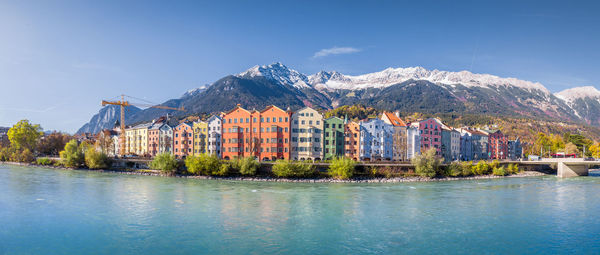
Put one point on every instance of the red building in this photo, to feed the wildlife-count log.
(431, 134)
(497, 145)
(183, 140)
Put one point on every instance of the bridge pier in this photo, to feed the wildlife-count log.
(565, 170)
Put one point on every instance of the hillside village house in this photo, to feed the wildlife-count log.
(333, 137)
(376, 140)
(352, 140)
(515, 151)
(183, 140)
(399, 136)
(154, 138)
(214, 136)
(307, 135)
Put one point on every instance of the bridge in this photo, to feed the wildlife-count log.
(565, 167)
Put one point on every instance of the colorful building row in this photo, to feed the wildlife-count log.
(273, 133)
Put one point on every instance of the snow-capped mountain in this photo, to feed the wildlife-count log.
(277, 72)
(392, 76)
(585, 102)
(412, 89)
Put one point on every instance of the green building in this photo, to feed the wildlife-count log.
(334, 137)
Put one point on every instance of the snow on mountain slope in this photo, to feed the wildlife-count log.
(278, 72)
(391, 76)
(578, 92)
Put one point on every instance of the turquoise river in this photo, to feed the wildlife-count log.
(46, 211)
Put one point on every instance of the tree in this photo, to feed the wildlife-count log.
(571, 148)
(166, 162)
(95, 159)
(53, 143)
(427, 164)
(341, 168)
(595, 150)
(24, 135)
(73, 155)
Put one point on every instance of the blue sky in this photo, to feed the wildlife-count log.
(58, 59)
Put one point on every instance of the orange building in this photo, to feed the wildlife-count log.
(183, 140)
(239, 125)
(274, 133)
(352, 140)
(264, 135)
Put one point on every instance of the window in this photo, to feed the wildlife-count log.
(254, 119)
(280, 119)
(262, 119)
(286, 119)
(274, 119)
(247, 120)
(234, 120)
(268, 120)
(286, 129)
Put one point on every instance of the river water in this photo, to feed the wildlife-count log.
(47, 211)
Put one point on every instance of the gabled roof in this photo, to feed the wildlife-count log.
(237, 107)
(393, 119)
(334, 117)
(213, 117)
(272, 106)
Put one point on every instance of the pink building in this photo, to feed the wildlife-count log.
(431, 134)
(183, 140)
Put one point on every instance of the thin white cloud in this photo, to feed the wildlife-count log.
(335, 51)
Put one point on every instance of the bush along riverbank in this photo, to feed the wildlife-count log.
(427, 167)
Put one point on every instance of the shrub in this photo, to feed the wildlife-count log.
(427, 164)
(512, 169)
(466, 168)
(44, 161)
(5, 154)
(96, 159)
(341, 168)
(165, 162)
(481, 168)
(285, 168)
(24, 156)
(72, 155)
(454, 169)
(495, 164)
(225, 170)
(499, 171)
(204, 164)
(247, 166)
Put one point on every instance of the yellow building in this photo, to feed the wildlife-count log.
(136, 140)
(200, 134)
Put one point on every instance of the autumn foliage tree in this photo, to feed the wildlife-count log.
(24, 135)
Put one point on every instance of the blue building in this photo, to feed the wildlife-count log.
(376, 140)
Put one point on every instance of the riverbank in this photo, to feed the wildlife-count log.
(149, 172)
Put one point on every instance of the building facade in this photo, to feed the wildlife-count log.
(376, 140)
(333, 137)
(515, 150)
(275, 125)
(307, 135)
(136, 140)
(200, 137)
(399, 136)
(183, 140)
(450, 144)
(413, 141)
(352, 140)
(241, 137)
(165, 139)
(214, 136)
(497, 144)
(431, 134)
(154, 138)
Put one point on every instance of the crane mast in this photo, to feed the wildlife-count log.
(124, 103)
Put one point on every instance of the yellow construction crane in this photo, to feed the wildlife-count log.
(124, 103)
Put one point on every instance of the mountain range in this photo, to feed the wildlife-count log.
(413, 89)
